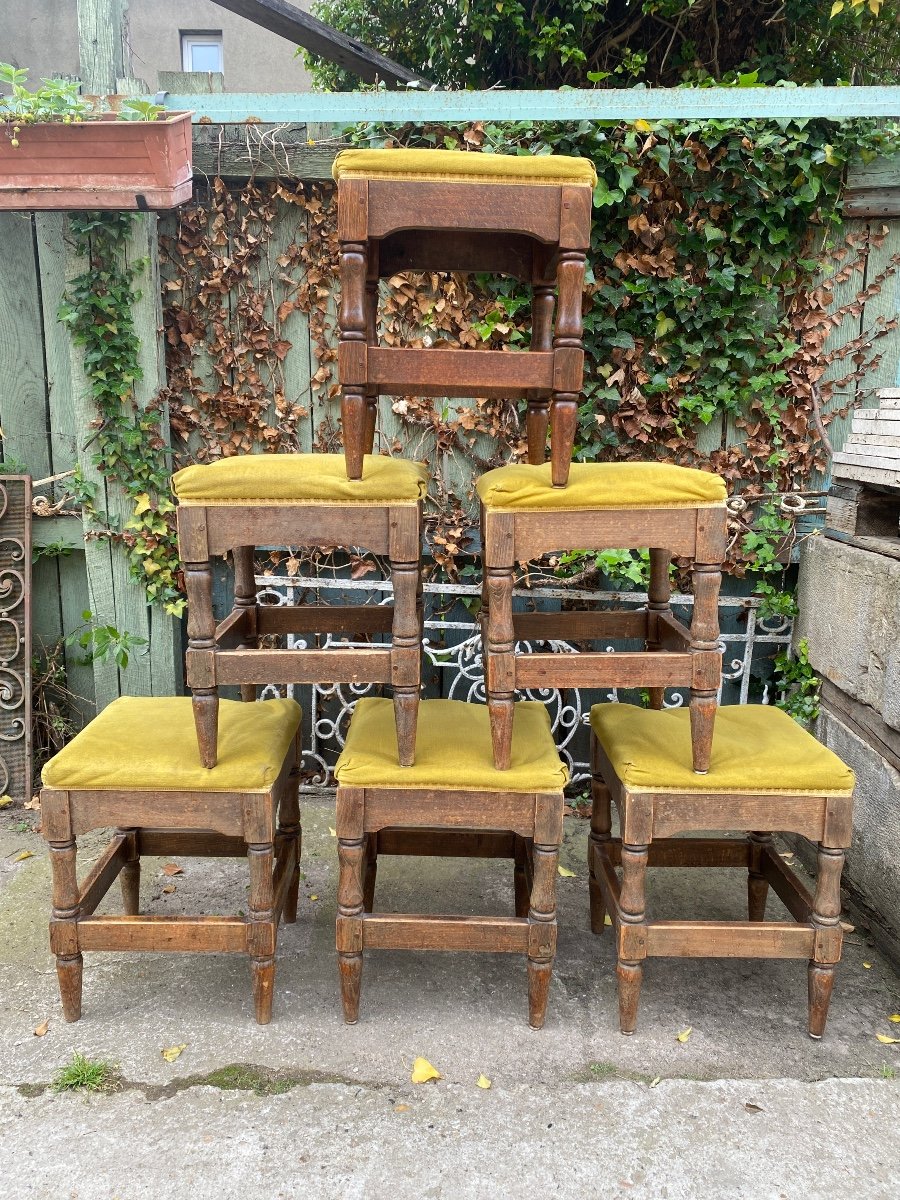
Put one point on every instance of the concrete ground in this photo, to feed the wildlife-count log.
(747, 1106)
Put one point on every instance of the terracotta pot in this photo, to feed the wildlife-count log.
(106, 163)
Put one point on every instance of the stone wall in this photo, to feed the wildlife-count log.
(849, 599)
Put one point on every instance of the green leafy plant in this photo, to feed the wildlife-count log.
(58, 100)
(797, 683)
(102, 643)
(562, 43)
(774, 601)
(83, 1074)
(98, 311)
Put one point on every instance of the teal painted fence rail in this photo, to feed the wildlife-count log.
(625, 104)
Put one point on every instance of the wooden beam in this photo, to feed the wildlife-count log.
(113, 597)
(288, 21)
(575, 104)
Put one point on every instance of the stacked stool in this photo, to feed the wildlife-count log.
(453, 803)
(428, 210)
(766, 773)
(239, 503)
(135, 767)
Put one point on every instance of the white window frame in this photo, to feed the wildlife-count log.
(200, 37)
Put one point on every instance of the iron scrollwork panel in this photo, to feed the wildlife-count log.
(15, 636)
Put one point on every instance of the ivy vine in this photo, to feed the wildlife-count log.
(98, 310)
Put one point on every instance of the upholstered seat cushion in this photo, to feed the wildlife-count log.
(756, 749)
(453, 749)
(149, 743)
(447, 166)
(601, 485)
(300, 479)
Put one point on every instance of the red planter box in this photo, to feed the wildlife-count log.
(106, 163)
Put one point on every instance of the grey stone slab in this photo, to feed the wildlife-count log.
(850, 615)
(734, 1140)
(873, 863)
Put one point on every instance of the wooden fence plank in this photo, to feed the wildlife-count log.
(23, 399)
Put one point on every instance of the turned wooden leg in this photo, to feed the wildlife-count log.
(629, 971)
(598, 843)
(261, 932)
(350, 905)
(520, 878)
(353, 423)
(289, 831)
(541, 931)
(64, 927)
(406, 636)
(130, 875)
(352, 326)
(757, 884)
(568, 350)
(200, 659)
(245, 598)
(537, 417)
(708, 661)
(371, 303)
(659, 594)
(371, 872)
(501, 643)
(825, 919)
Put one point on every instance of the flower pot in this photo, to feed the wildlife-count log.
(103, 163)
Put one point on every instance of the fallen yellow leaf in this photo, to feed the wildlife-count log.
(423, 1071)
(169, 889)
(333, 833)
(401, 1108)
(41, 1029)
(654, 1081)
(607, 919)
(5, 801)
(565, 872)
(887, 1041)
(867, 966)
(314, 897)
(172, 1052)
(684, 1035)
(22, 855)
(483, 1082)
(895, 1017)
(643, 126)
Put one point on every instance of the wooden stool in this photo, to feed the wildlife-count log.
(255, 500)
(452, 803)
(766, 773)
(624, 505)
(433, 210)
(135, 768)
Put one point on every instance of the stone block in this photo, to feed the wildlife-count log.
(849, 602)
(873, 863)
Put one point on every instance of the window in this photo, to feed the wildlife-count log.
(201, 50)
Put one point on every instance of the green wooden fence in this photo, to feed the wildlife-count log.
(46, 417)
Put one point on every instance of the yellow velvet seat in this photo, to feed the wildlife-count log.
(444, 166)
(756, 749)
(453, 750)
(618, 485)
(148, 743)
(280, 479)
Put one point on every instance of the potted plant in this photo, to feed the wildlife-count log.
(62, 150)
